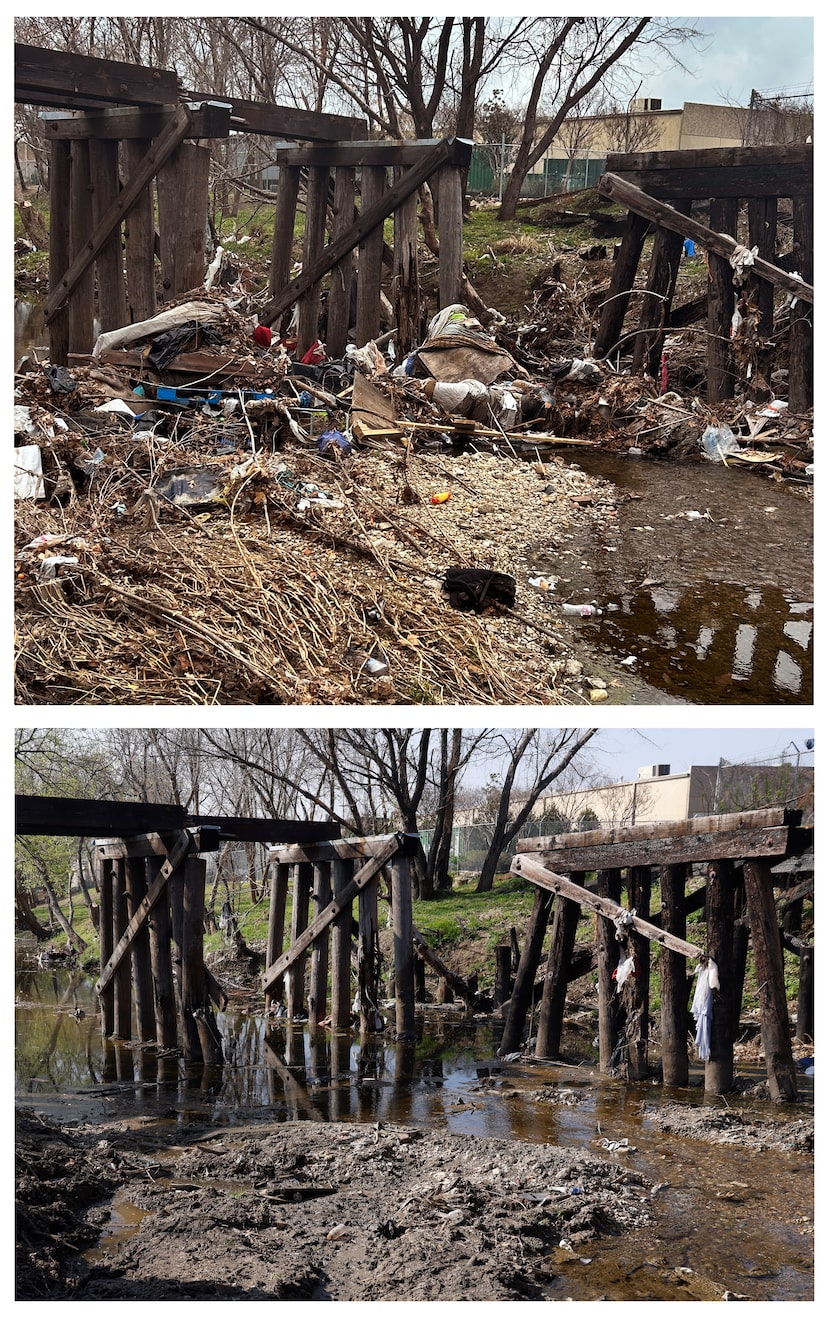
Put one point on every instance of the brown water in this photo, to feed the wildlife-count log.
(738, 1217)
(715, 609)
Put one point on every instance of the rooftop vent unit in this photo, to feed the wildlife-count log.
(656, 769)
(646, 103)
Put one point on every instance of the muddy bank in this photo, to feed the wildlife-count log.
(347, 1212)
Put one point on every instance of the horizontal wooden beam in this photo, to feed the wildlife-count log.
(352, 847)
(45, 77)
(211, 120)
(739, 172)
(287, 121)
(327, 916)
(752, 843)
(400, 152)
(525, 866)
(646, 831)
(643, 204)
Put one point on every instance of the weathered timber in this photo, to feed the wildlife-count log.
(657, 298)
(762, 227)
(369, 219)
(283, 241)
(804, 1024)
(160, 152)
(139, 238)
(304, 939)
(368, 958)
(54, 815)
(211, 120)
(609, 1015)
(81, 305)
(504, 975)
(674, 995)
(161, 962)
(387, 154)
(403, 953)
(722, 296)
(286, 121)
(720, 914)
(520, 1002)
(370, 256)
(451, 236)
(526, 866)
(723, 245)
(59, 193)
(105, 940)
(177, 852)
(341, 945)
(348, 847)
(660, 850)
(557, 972)
(276, 927)
(769, 971)
(196, 1006)
(295, 973)
(800, 379)
(182, 185)
(338, 307)
(319, 973)
(739, 172)
(122, 982)
(740, 949)
(103, 170)
(405, 279)
(314, 235)
(636, 987)
(45, 77)
(453, 983)
(623, 277)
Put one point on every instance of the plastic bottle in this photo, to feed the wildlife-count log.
(585, 609)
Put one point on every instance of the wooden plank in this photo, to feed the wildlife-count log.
(282, 246)
(356, 154)
(674, 997)
(700, 848)
(646, 831)
(210, 121)
(723, 245)
(331, 911)
(351, 847)
(453, 981)
(180, 848)
(55, 815)
(42, 77)
(720, 919)
(369, 219)
(286, 121)
(161, 150)
(526, 866)
(738, 172)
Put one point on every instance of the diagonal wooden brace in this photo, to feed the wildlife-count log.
(330, 913)
(181, 846)
(161, 150)
(525, 866)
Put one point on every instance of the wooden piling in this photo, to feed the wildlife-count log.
(674, 993)
(340, 282)
(295, 976)
(762, 220)
(504, 974)
(105, 943)
(623, 278)
(635, 994)
(720, 383)
(720, 918)
(740, 949)
(368, 958)
(769, 971)
(451, 236)
(609, 884)
(139, 239)
(314, 237)
(161, 962)
(804, 1027)
(81, 300)
(341, 949)
(419, 973)
(800, 379)
(319, 972)
(122, 981)
(59, 250)
(562, 938)
(196, 1006)
(522, 997)
(406, 286)
(402, 946)
(276, 928)
(142, 979)
(370, 257)
(182, 187)
(282, 248)
(109, 264)
(657, 297)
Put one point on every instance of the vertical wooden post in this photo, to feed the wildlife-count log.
(566, 916)
(314, 237)
(276, 928)
(504, 975)
(122, 982)
(740, 948)
(370, 257)
(59, 251)
(406, 287)
(720, 384)
(338, 319)
(674, 993)
(295, 976)
(161, 962)
(136, 888)
(769, 970)
(368, 958)
(635, 993)
(188, 1035)
(139, 239)
(656, 304)
(319, 975)
(341, 949)
(801, 317)
(762, 225)
(609, 883)
(451, 235)
(526, 973)
(182, 186)
(196, 1005)
(403, 952)
(720, 918)
(623, 277)
(81, 300)
(804, 1015)
(282, 250)
(419, 973)
(105, 943)
(109, 264)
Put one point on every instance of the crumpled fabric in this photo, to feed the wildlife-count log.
(741, 260)
(474, 590)
(623, 970)
(707, 982)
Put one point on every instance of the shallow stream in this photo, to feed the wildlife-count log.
(737, 1216)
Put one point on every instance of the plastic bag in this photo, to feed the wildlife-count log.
(717, 442)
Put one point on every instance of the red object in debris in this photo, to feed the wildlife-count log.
(262, 335)
(664, 374)
(316, 354)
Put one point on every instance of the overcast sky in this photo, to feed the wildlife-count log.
(771, 55)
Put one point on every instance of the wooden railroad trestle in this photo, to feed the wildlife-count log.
(660, 190)
(739, 903)
(130, 148)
